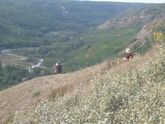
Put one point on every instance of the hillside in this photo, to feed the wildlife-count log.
(84, 36)
(50, 86)
(112, 91)
(54, 30)
(116, 91)
(24, 95)
(28, 93)
(57, 30)
(29, 23)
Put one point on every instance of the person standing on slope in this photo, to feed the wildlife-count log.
(58, 68)
(55, 66)
(129, 55)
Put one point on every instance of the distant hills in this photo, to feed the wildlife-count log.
(76, 33)
(54, 27)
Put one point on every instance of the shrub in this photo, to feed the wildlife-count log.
(132, 96)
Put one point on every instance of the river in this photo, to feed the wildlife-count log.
(37, 65)
(19, 57)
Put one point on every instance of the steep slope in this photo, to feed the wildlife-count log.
(146, 17)
(26, 94)
(29, 93)
(132, 92)
(142, 15)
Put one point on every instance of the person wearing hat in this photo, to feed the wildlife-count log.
(129, 55)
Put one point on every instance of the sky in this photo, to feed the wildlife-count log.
(141, 1)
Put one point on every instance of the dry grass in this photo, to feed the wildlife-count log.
(21, 96)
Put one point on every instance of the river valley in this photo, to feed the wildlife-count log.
(8, 58)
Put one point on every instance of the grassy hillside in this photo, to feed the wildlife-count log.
(131, 92)
(109, 92)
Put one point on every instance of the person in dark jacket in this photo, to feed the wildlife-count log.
(58, 68)
(129, 55)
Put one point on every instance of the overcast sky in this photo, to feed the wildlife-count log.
(141, 1)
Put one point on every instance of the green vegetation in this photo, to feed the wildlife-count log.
(25, 23)
(12, 75)
(66, 31)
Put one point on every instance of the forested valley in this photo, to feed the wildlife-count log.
(66, 31)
